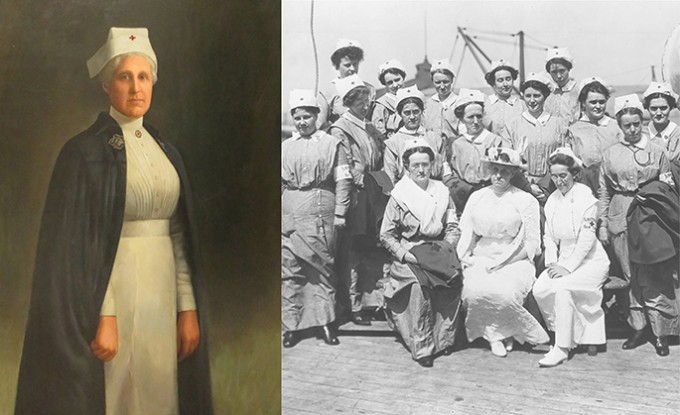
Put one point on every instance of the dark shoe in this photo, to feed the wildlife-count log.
(359, 319)
(426, 361)
(447, 351)
(637, 339)
(661, 346)
(329, 336)
(289, 339)
(592, 350)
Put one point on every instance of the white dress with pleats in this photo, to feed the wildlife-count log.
(149, 282)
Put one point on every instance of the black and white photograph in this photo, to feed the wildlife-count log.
(480, 208)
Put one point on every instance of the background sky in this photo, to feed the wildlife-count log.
(616, 40)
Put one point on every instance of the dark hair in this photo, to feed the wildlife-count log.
(565, 160)
(313, 110)
(594, 86)
(393, 71)
(442, 71)
(459, 112)
(671, 102)
(353, 53)
(491, 76)
(413, 150)
(354, 94)
(536, 85)
(629, 111)
(410, 100)
(561, 61)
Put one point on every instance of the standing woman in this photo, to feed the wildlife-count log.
(439, 116)
(627, 166)
(346, 58)
(569, 291)
(659, 101)
(115, 302)
(362, 143)
(536, 134)
(594, 132)
(315, 183)
(410, 109)
(420, 230)
(500, 237)
(563, 102)
(502, 107)
(465, 153)
(385, 118)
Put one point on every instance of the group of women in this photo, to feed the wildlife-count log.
(480, 195)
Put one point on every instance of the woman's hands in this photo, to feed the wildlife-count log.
(105, 343)
(557, 271)
(538, 193)
(188, 333)
(603, 235)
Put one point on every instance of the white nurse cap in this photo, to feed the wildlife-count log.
(121, 40)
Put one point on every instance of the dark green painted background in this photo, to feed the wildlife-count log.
(217, 99)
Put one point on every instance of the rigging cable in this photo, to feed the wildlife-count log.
(316, 55)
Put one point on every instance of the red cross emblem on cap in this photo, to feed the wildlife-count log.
(132, 38)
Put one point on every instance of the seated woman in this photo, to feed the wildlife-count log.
(626, 167)
(420, 230)
(409, 103)
(500, 237)
(385, 117)
(659, 101)
(594, 132)
(315, 185)
(466, 152)
(536, 134)
(569, 291)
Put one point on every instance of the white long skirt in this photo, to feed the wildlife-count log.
(142, 378)
(572, 305)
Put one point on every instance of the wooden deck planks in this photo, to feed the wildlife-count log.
(372, 373)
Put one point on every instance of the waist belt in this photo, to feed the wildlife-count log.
(140, 228)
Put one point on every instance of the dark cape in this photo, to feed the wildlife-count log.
(79, 234)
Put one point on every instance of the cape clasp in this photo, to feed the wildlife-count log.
(117, 142)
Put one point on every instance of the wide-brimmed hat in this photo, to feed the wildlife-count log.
(302, 98)
(121, 40)
(503, 157)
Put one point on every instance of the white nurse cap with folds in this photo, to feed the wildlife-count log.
(344, 85)
(390, 64)
(415, 142)
(466, 96)
(585, 81)
(660, 88)
(302, 98)
(627, 101)
(442, 64)
(559, 53)
(499, 63)
(410, 92)
(541, 77)
(121, 40)
(566, 151)
(346, 43)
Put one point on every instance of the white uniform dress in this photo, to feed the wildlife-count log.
(571, 305)
(149, 283)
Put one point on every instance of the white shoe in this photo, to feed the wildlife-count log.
(509, 343)
(553, 358)
(498, 349)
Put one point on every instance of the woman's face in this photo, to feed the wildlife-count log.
(500, 177)
(472, 118)
(562, 178)
(305, 121)
(534, 100)
(393, 82)
(359, 108)
(631, 125)
(131, 87)
(410, 115)
(559, 74)
(347, 67)
(595, 105)
(659, 111)
(503, 83)
(419, 168)
(442, 83)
